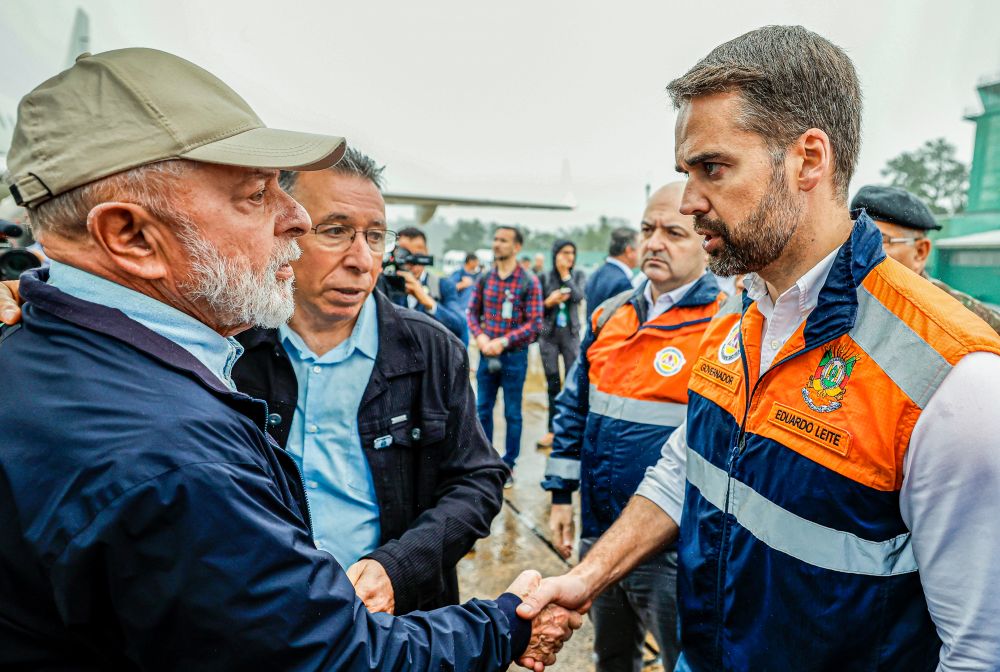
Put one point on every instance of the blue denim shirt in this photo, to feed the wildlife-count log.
(324, 438)
(216, 352)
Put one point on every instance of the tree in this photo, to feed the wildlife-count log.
(932, 173)
(469, 235)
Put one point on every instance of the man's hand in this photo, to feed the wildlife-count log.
(551, 627)
(10, 310)
(372, 585)
(570, 591)
(562, 528)
(466, 281)
(417, 290)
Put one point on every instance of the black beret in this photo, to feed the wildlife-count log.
(896, 206)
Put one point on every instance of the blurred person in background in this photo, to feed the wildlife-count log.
(464, 278)
(538, 265)
(905, 221)
(562, 287)
(505, 316)
(615, 276)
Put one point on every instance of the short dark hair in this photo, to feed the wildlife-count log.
(353, 163)
(411, 232)
(518, 238)
(471, 256)
(790, 80)
(621, 239)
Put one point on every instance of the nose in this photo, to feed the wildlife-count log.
(359, 257)
(693, 202)
(293, 219)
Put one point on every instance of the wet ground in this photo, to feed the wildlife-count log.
(519, 535)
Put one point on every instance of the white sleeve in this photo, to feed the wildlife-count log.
(664, 482)
(950, 501)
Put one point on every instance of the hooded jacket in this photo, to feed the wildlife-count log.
(551, 281)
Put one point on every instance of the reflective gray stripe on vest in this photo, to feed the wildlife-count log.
(660, 413)
(915, 366)
(793, 535)
(563, 468)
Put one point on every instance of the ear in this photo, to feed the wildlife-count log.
(815, 159)
(131, 237)
(923, 248)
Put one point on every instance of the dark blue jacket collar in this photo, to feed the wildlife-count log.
(112, 322)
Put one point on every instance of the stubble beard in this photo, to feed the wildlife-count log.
(761, 237)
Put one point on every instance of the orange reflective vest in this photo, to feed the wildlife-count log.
(623, 398)
(793, 552)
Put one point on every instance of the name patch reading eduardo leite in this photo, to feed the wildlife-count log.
(808, 427)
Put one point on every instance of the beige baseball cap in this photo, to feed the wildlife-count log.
(122, 109)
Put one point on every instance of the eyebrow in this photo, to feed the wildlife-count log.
(334, 217)
(259, 174)
(698, 159)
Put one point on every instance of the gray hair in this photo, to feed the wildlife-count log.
(354, 163)
(790, 80)
(621, 239)
(149, 186)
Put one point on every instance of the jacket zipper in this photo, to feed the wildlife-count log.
(302, 479)
(734, 454)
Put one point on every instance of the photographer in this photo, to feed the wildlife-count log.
(562, 288)
(421, 291)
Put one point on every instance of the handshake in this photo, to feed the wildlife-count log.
(555, 607)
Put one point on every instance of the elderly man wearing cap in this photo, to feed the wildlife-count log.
(150, 522)
(904, 221)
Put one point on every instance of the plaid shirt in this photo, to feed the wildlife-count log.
(485, 316)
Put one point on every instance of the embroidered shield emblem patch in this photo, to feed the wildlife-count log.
(824, 391)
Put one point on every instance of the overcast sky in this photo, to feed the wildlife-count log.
(493, 100)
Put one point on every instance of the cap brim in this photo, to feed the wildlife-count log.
(272, 148)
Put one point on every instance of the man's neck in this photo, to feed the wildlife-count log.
(622, 260)
(321, 333)
(506, 266)
(815, 238)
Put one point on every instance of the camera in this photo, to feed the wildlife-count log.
(399, 259)
(14, 261)
(494, 365)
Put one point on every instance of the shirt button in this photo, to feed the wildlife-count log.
(775, 345)
(317, 369)
(312, 429)
(313, 485)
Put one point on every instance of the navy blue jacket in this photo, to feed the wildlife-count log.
(607, 281)
(150, 523)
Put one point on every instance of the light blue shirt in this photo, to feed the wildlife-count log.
(324, 438)
(216, 352)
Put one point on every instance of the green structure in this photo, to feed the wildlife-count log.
(968, 246)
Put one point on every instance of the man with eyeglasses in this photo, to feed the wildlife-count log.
(904, 221)
(373, 401)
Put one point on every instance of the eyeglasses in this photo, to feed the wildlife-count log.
(889, 240)
(341, 237)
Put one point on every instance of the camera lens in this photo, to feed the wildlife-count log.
(15, 262)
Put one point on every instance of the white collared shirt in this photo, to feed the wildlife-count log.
(783, 317)
(665, 301)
